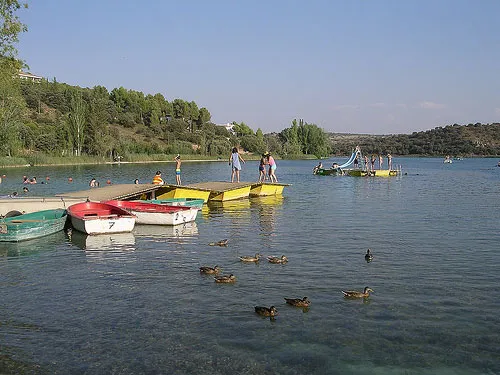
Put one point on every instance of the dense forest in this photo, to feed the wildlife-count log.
(40, 117)
(68, 120)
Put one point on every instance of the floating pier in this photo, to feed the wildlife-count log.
(208, 191)
(220, 191)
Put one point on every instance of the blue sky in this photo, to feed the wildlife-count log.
(376, 67)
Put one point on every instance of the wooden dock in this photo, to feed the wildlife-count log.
(109, 192)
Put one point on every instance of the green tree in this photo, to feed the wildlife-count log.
(180, 109)
(204, 116)
(193, 114)
(10, 27)
(12, 106)
(12, 103)
(242, 129)
(77, 122)
(97, 140)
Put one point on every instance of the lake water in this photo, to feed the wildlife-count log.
(137, 304)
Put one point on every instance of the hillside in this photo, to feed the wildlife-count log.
(458, 140)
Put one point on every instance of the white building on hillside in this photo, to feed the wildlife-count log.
(30, 77)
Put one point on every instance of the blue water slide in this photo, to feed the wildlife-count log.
(349, 162)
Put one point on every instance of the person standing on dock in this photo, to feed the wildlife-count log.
(380, 161)
(178, 169)
(262, 168)
(234, 161)
(372, 162)
(389, 161)
(272, 168)
(365, 160)
(157, 180)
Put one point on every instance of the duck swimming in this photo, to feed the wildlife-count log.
(219, 243)
(266, 311)
(304, 302)
(225, 279)
(210, 270)
(251, 258)
(356, 294)
(277, 260)
(368, 256)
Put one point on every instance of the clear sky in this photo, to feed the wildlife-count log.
(353, 66)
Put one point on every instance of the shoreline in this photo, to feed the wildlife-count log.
(105, 163)
(135, 162)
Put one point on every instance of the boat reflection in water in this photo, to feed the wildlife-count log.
(117, 242)
(33, 246)
(233, 207)
(268, 209)
(159, 232)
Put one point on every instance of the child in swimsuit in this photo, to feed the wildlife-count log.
(262, 169)
(178, 169)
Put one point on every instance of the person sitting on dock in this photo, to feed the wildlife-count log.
(157, 180)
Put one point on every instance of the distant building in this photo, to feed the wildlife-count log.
(229, 127)
(30, 77)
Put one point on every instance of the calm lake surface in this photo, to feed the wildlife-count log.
(137, 304)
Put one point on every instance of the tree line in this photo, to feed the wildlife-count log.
(458, 140)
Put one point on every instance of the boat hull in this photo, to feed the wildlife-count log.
(100, 218)
(326, 172)
(173, 218)
(157, 214)
(32, 225)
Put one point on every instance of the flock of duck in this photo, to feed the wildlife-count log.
(298, 302)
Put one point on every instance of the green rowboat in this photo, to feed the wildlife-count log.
(32, 225)
(189, 202)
